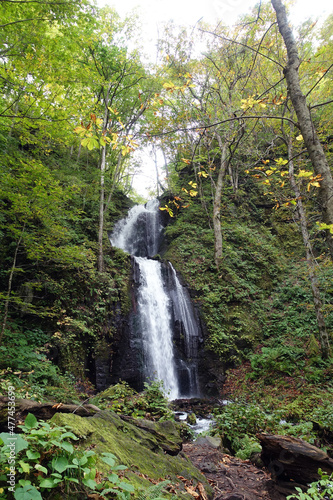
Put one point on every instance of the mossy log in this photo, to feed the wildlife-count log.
(43, 411)
(289, 458)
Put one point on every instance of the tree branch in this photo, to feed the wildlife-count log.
(243, 45)
(205, 127)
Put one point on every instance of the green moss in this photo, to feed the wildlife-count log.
(143, 446)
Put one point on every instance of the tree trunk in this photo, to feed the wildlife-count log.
(217, 203)
(323, 335)
(9, 289)
(311, 140)
(100, 263)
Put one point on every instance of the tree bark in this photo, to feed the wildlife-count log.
(311, 140)
(43, 411)
(9, 289)
(217, 202)
(100, 261)
(323, 335)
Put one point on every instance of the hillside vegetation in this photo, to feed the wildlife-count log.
(246, 191)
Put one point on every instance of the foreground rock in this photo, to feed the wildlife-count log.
(289, 458)
(151, 450)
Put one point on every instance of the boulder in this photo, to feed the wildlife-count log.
(289, 458)
(148, 449)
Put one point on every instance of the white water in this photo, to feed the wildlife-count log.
(139, 234)
(154, 312)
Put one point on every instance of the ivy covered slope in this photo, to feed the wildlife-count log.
(59, 312)
(58, 308)
(258, 306)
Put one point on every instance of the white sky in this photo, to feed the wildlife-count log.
(190, 11)
(154, 13)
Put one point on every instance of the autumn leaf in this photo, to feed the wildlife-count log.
(304, 174)
(169, 86)
(281, 161)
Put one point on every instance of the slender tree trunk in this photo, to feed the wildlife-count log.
(217, 202)
(114, 182)
(323, 335)
(9, 289)
(100, 262)
(311, 140)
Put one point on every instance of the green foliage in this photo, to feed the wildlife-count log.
(238, 425)
(277, 359)
(151, 403)
(47, 460)
(316, 490)
(154, 492)
(232, 299)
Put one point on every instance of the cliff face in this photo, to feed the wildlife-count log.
(129, 356)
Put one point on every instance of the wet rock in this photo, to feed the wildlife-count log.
(210, 441)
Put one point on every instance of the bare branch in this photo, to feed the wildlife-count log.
(320, 79)
(322, 104)
(205, 127)
(243, 45)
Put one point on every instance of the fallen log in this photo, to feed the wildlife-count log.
(289, 458)
(42, 411)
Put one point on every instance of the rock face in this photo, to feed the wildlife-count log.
(150, 449)
(288, 458)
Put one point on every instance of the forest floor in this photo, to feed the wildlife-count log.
(230, 477)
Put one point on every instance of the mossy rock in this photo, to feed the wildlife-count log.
(149, 449)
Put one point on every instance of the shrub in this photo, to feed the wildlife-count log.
(47, 461)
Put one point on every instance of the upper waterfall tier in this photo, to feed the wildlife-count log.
(139, 233)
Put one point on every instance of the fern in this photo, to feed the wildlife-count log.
(153, 492)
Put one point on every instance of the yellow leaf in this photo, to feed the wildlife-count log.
(281, 162)
(193, 193)
(304, 173)
(169, 86)
(299, 138)
(193, 184)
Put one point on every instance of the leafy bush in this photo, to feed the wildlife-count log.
(276, 359)
(151, 403)
(238, 425)
(47, 461)
(317, 490)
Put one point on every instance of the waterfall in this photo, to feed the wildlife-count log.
(164, 326)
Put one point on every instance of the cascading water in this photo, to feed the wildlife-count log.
(162, 309)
